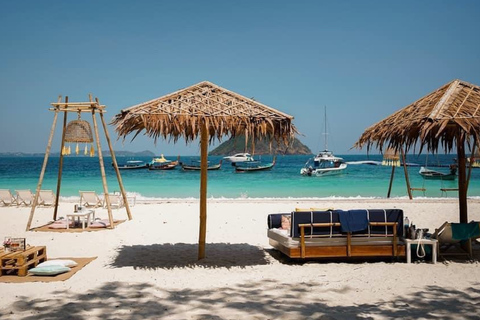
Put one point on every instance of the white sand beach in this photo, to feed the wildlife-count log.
(147, 268)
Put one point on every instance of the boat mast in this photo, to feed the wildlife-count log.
(326, 140)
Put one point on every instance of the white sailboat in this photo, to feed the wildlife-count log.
(325, 162)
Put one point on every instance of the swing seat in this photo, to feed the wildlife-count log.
(446, 190)
(419, 189)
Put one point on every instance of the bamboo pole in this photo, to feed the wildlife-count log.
(115, 165)
(462, 181)
(391, 181)
(203, 191)
(44, 167)
(102, 168)
(253, 142)
(60, 163)
(406, 174)
(471, 161)
(245, 148)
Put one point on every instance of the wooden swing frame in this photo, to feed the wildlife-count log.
(92, 107)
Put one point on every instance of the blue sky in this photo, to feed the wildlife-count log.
(362, 59)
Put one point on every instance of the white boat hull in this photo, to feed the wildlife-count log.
(321, 172)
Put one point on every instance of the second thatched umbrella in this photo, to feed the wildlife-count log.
(204, 111)
(448, 117)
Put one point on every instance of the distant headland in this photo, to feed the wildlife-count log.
(262, 146)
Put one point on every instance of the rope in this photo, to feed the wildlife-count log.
(420, 245)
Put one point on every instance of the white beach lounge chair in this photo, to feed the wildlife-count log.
(46, 198)
(24, 197)
(6, 197)
(90, 199)
(116, 200)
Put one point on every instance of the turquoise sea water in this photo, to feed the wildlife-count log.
(283, 181)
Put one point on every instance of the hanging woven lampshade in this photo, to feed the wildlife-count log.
(78, 131)
(391, 158)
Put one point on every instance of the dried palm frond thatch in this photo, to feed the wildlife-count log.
(204, 111)
(443, 117)
(449, 116)
(182, 114)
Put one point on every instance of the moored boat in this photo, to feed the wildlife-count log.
(195, 166)
(239, 157)
(324, 163)
(253, 166)
(437, 175)
(133, 164)
(163, 164)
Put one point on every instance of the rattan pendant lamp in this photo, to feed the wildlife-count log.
(79, 131)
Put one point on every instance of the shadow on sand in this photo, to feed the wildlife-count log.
(122, 300)
(183, 255)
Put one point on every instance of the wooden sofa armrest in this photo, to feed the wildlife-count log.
(302, 227)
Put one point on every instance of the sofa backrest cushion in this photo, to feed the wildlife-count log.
(274, 220)
(373, 215)
(315, 217)
(386, 215)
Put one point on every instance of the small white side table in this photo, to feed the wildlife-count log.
(431, 242)
(81, 215)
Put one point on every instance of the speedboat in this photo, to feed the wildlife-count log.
(133, 164)
(437, 175)
(239, 157)
(324, 163)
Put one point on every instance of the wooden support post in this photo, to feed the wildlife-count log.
(349, 244)
(102, 167)
(391, 181)
(203, 191)
(470, 162)
(60, 163)
(462, 180)
(302, 242)
(44, 167)
(253, 142)
(115, 165)
(245, 148)
(406, 174)
(395, 253)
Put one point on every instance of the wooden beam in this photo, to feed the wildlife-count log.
(102, 170)
(409, 190)
(462, 179)
(115, 165)
(203, 191)
(42, 173)
(470, 163)
(60, 163)
(391, 181)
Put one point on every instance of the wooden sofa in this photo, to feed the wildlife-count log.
(320, 234)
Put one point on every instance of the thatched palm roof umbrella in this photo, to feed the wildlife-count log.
(207, 111)
(447, 117)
